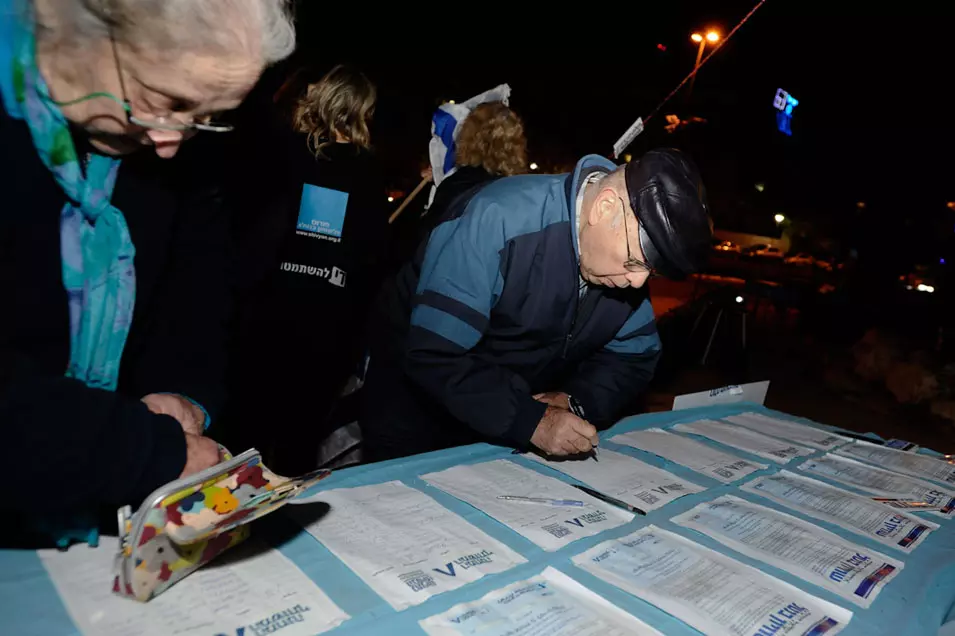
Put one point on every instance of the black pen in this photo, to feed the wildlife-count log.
(578, 410)
(592, 453)
(610, 500)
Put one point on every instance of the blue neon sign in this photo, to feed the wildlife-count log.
(784, 103)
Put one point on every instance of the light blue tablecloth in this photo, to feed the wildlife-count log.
(915, 603)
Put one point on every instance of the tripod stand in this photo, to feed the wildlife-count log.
(727, 303)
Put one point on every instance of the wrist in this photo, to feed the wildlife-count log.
(525, 423)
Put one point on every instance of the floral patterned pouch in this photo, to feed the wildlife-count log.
(188, 522)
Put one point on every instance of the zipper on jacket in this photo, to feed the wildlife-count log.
(573, 322)
(583, 310)
(568, 338)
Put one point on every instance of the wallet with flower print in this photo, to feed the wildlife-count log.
(188, 522)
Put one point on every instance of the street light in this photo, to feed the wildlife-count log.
(712, 37)
(779, 218)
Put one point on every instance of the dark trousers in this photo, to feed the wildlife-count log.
(399, 419)
(285, 383)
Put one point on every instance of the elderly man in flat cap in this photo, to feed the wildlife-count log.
(523, 318)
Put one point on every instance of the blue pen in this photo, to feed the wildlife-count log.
(542, 500)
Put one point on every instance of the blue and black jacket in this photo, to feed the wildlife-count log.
(489, 312)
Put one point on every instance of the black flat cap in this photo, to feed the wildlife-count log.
(669, 200)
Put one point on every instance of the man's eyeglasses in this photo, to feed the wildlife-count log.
(633, 264)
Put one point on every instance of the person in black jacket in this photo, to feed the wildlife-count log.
(314, 244)
(112, 339)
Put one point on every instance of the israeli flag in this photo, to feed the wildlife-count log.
(444, 129)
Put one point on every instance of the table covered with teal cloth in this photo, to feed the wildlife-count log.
(917, 602)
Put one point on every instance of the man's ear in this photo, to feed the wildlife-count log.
(604, 207)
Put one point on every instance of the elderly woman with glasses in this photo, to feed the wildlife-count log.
(112, 264)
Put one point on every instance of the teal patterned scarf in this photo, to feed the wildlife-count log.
(95, 247)
(96, 250)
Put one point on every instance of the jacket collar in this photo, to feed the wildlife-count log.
(575, 181)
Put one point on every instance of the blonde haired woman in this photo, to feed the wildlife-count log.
(337, 109)
(300, 324)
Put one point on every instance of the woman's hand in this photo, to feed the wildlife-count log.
(201, 453)
(189, 416)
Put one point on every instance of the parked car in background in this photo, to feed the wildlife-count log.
(800, 260)
(918, 280)
(727, 246)
(766, 251)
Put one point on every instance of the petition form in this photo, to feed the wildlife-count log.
(922, 466)
(881, 482)
(549, 526)
(771, 448)
(549, 604)
(803, 549)
(405, 545)
(847, 510)
(250, 589)
(709, 591)
(626, 478)
(787, 429)
(695, 455)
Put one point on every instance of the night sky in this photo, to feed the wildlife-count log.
(872, 124)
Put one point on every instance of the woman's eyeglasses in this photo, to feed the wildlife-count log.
(204, 123)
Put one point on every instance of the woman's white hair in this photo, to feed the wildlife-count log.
(255, 27)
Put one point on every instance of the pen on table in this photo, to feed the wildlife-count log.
(613, 501)
(542, 500)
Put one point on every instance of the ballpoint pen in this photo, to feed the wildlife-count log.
(542, 500)
(592, 453)
(613, 501)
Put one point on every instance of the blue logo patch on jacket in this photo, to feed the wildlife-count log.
(322, 211)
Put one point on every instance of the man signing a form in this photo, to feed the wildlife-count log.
(528, 299)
